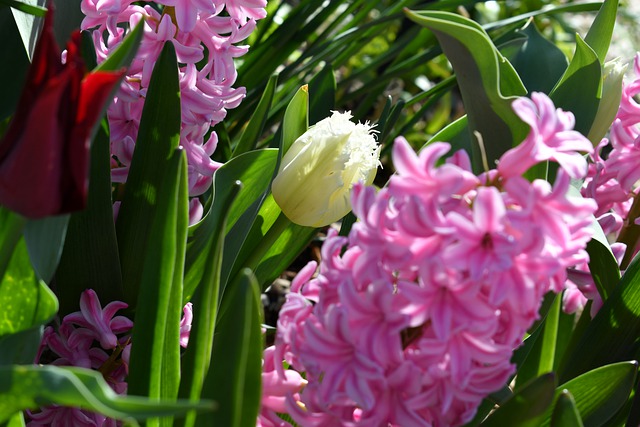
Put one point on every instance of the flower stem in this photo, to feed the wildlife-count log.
(271, 236)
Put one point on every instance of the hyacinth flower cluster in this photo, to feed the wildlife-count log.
(206, 36)
(413, 318)
(612, 183)
(92, 338)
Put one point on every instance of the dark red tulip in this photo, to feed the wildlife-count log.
(44, 156)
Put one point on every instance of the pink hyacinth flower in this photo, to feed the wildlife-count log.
(551, 138)
(100, 321)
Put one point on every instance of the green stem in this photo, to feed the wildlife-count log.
(276, 230)
(630, 233)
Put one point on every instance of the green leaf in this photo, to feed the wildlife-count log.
(17, 420)
(613, 334)
(599, 393)
(197, 357)
(27, 15)
(526, 407)
(234, 377)
(33, 386)
(14, 64)
(601, 30)
(565, 413)
(158, 137)
(539, 63)
(26, 301)
(579, 89)
(254, 170)
(541, 358)
(26, 7)
(20, 348)
(322, 98)
(455, 133)
(11, 226)
(253, 131)
(154, 366)
(90, 258)
(286, 241)
(603, 267)
(487, 81)
(45, 240)
(296, 118)
(125, 52)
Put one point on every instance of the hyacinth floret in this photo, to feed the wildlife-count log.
(207, 36)
(413, 318)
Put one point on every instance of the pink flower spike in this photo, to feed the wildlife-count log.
(100, 321)
(185, 324)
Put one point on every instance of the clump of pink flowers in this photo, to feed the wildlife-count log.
(93, 338)
(612, 183)
(413, 318)
(207, 36)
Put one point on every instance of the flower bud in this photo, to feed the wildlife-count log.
(313, 185)
(611, 95)
(44, 155)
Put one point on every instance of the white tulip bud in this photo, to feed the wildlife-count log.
(612, 80)
(313, 185)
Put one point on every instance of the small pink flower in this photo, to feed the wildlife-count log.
(185, 324)
(101, 322)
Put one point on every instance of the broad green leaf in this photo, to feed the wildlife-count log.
(14, 64)
(171, 374)
(90, 258)
(603, 267)
(580, 88)
(601, 30)
(599, 393)
(254, 170)
(525, 408)
(20, 348)
(487, 81)
(45, 240)
(539, 63)
(11, 226)
(17, 420)
(322, 94)
(253, 131)
(296, 119)
(613, 334)
(542, 356)
(26, 14)
(33, 386)
(283, 241)
(234, 377)
(197, 357)
(158, 137)
(26, 301)
(565, 413)
(154, 366)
